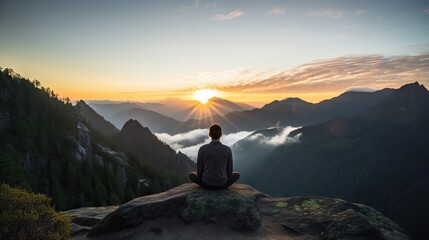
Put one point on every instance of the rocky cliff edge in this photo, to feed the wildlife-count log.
(240, 212)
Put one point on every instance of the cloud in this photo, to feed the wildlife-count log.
(278, 139)
(277, 11)
(374, 71)
(360, 89)
(360, 12)
(189, 142)
(426, 11)
(186, 139)
(329, 12)
(232, 138)
(234, 14)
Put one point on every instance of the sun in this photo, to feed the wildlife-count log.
(203, 95)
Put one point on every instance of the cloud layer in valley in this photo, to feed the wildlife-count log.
(278, 139)
(189, 142)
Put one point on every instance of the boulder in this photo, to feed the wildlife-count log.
(235, 207)
(239, 212)
(135, 212)
(330, 218)
(89, 216)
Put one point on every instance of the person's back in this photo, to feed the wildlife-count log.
(216, 159)
(214, 163)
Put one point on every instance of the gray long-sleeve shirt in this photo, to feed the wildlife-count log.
(214, 163)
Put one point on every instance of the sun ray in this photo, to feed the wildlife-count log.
(221, 116)
(206, 112)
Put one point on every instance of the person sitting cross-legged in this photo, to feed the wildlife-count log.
(214, 163)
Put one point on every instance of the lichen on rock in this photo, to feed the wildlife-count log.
(222, 207)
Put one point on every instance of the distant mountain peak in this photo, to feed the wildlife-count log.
(96, 121)
(416, 86)
(295, 100)
(132, 124)
(286, 102)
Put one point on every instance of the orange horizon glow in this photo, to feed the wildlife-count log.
(256, 100)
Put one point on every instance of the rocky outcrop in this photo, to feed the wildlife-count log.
(89, 216)
(84, 218)
(83, 140)
(236, 209)
(330, 218)
(239, 212)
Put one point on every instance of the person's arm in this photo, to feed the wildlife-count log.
(200, 165)
(229, 165)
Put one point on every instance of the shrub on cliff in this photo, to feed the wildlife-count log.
(25, 215)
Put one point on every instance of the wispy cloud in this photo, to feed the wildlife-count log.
(418, 49)
(360, 12)
(277, 11)
(336, 74)
(328, 12)
(426, 11)
(361, 89)
(234, 14)
(186, 139)
(281, 138)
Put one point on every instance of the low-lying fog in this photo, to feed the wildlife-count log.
(189, 142)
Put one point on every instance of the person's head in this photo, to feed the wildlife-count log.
(215, 131)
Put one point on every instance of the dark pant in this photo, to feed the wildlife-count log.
(198, 180)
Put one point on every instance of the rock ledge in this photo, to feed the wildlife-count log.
(246, 212)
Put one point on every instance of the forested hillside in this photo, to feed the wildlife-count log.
(45, 147)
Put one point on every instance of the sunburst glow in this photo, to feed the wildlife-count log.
(203, 95)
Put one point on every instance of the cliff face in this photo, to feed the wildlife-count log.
(239, 212)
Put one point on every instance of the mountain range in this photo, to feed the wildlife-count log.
(165, 114)
(288, 112)
(378, 157)
(366, 147)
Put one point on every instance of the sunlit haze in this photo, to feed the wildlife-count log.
(204, 95)
(250, 51)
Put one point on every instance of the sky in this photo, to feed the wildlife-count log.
(250, 51)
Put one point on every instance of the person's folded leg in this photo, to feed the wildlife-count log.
(193, 176)
(231, 180)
